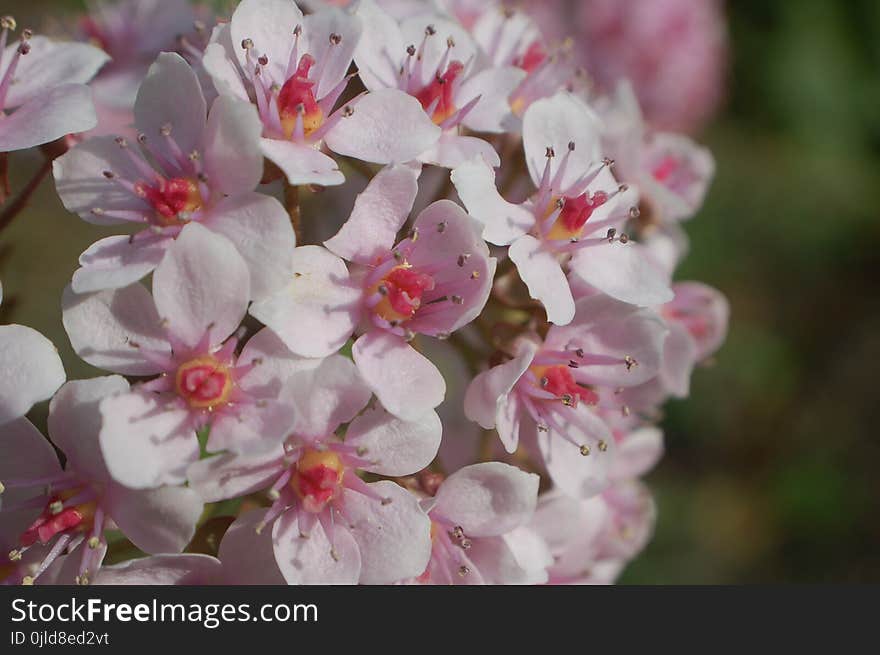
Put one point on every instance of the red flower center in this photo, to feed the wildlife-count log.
(402, 289)
(317, 478)
(574, 214)
(56, 519)
(204, 382)
(533, 57)
(297, 97)
(559, 381)
(171, 197)
(440, 91)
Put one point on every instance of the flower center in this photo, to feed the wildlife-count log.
(317, 478)
(533, 57)
(297, 98)
(171, 198)
(57, 519)
(665, 168)
(574, 214)
(439, 93)
(204, 382)
(559, 381)
(401, 292)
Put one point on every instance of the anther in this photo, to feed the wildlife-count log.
(608, 162)
(630, 362)
(550, 152)
(623, 188)
(297, 30)
(165, 130)
(475, 275)
(386, 501)
(462, 259)
(247, 44)
(430, 30)
(465, 543)
(450, 42)
(14, 555)
(603, 446)
(27, 581)
(273, 494)
(624, 238)
(7, 23)
(56, 507)
(441, 226)
(457, 300)
(585, 450)
(579, 352)
(94, 542)
(108, 174)
(463, 571)
(571, 146)
(347, 111)
(610, 234)
(263, 60)
(335, 39)
(634, 212)
(458, 532)
(410, 50)
(334, 554)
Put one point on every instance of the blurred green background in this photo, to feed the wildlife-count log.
(771, 466)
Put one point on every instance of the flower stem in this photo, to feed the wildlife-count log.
(13, 208)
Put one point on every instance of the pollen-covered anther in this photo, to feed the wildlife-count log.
(629, 361)
(585, 450)
(204, 382)
(603, 446)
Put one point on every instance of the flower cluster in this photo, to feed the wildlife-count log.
(460, 386)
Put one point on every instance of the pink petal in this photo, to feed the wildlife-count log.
(109, 328)
(146, 444)
(313, 558)
(448, 241)
(554, 123)
(487, 499)
(542, 273)
(302, 164)
(492, 113)
(30, 370)
(380, 49)
(325, 396)
(251, 428)
(604, 326)
(260, 229)
(624, 272)
(490, 387)
(115, 262)
(396, 447)
(230, 476)
(379, 213)
(317, 311)
(202, 284)
(65, 109)
(407, 384)
(185, 110)
(186, 569)
(317, 28)
(75, 423)
(452, 150)
(638, 453)
(156, 520)
(248, 557)
(394, 536)
(503, 222)
(269, 24)
(368, 134)
(233, 159)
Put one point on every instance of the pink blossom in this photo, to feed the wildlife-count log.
(474, 518)
(591, 540)
(326, 525)
(550, 395)
(68, 510)
(180, 334)
(171, 569)
(188, 165)
(510, 38)
(673, 51)
(670, 171)
(572, 223)
(436, 61)
(133, 33)
(294, 69)
(42, 88)
(432, 282)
